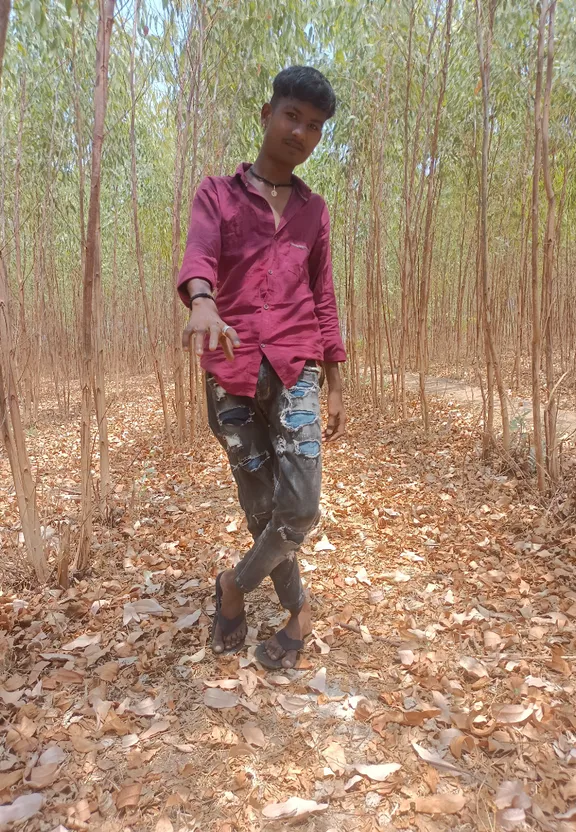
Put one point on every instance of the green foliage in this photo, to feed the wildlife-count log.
(223, 55)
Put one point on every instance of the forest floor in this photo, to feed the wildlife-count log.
(437, 692)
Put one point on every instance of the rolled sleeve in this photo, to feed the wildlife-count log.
(322, 284)
(203, 244)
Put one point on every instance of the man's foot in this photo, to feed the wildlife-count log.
(298, 627)
(229, 606)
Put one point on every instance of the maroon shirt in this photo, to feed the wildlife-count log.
(274, 285)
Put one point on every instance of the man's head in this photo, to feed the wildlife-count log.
(302, 102)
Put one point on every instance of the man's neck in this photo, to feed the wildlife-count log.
(271, 170)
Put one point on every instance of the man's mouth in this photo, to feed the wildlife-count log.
(294, 145)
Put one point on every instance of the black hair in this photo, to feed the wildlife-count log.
(306, 84)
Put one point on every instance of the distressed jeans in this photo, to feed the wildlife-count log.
(273, 443)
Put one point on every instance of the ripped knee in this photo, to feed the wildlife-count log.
(253, 463)
(236, 416)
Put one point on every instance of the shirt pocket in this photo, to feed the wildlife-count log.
(298, 254)
(235, 230)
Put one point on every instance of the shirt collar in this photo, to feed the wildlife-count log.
(301, 186)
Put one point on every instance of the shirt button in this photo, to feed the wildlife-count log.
(266, 306)
(270, 271)
(262, 346)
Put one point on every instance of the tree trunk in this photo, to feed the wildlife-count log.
(536, 308)
(551, 409)
(105, 21)
(493, 361)
(4, 17)
(137, 240)
(428, 227)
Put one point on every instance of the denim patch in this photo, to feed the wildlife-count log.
(300, 389)
(309, 449)
(236, 416)
(295, 419)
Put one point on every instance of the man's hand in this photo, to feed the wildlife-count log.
(205, 321)
(336, 427)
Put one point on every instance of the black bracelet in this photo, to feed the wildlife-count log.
(200, 295)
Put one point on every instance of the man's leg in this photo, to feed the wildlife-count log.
(295, 434)
(241, 429)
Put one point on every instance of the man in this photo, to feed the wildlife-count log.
(261, 239)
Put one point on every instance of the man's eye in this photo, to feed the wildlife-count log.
(313, 127)
(291, 116)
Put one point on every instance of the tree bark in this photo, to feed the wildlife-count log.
(493, 361)
(551, 409)
(536, 307)
(105, 22)
(137, 239)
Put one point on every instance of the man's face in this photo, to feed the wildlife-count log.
(293, 128)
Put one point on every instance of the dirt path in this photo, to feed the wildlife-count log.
(520, 409)
(439, 668)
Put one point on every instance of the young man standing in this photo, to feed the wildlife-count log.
(261, 238)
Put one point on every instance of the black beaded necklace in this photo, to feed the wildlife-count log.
(274, 192)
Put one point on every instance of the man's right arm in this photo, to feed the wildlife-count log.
(199, 273)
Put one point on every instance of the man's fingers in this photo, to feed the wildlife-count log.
(336, 427)
(215, 332)
(227, 347)
(229, 339)
(232, 336)
(199, 342)
(186, 335)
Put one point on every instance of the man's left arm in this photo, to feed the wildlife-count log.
(322, 285)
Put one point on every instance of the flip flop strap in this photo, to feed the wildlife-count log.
(229, 625)
(287, 643)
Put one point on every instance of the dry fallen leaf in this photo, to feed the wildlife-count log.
(335, 757)
(512, 714)
(194, 658)
(157, 727)
(379, 772)
(440, 804)
(293, 704)
(295, 807)
(146, 606)
(43, 776)
(83, 641)
(108, 671)
(10, 778)
(473, 667)
(128, 796)
(406, 657)
(188, 620)
(164, 824)
(253, 735)
(318, 682)
(511, 793)
(435, 759)
(13, 697)
(324, 545)
(218, 698)
(22, 808)
(80, 741)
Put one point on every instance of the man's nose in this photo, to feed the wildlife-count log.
(299, 132)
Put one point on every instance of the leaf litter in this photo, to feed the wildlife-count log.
(436, 691)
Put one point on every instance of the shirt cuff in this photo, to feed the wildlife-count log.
(184, 278)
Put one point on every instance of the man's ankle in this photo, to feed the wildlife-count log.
(228, 582)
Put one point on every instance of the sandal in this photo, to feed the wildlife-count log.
(227, 625)
(286, 643)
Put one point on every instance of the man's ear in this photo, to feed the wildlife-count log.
(265, 114)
